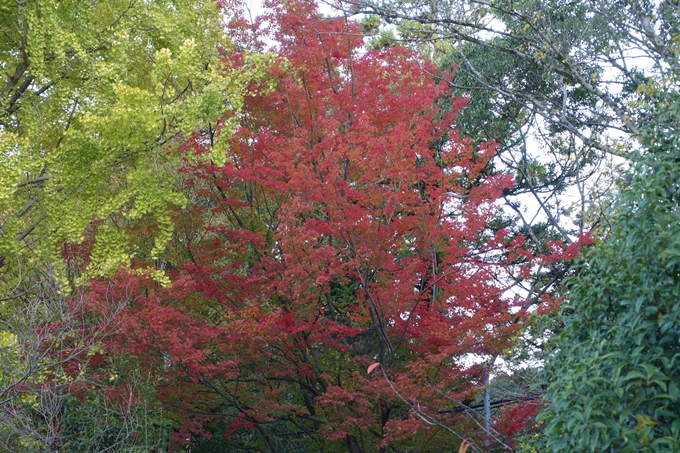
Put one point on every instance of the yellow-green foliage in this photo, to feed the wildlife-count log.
(95, 96)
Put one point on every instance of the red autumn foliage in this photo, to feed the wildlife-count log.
(516, 416)
(561, 252)
(347, 228)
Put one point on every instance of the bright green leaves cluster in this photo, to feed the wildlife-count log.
(95, 97)
(615, 375)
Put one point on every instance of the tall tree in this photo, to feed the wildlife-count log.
(330, 278)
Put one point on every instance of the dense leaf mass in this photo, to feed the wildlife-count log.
(615, 372)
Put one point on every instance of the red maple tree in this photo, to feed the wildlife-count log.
(348, 228)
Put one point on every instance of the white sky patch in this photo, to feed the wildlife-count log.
(254, 8)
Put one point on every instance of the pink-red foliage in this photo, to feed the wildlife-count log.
(348, 227)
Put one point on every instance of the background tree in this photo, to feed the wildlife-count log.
(57, 384)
